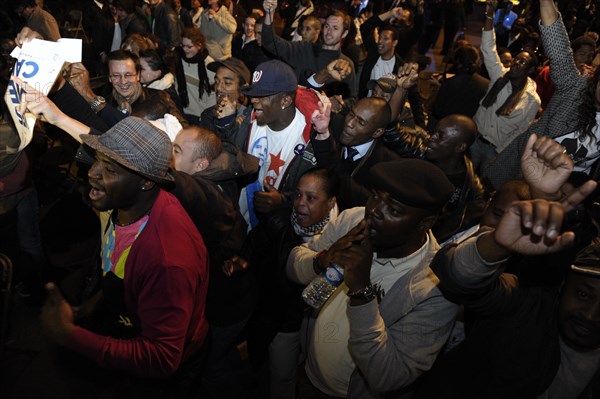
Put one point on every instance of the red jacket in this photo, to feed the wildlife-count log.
(166, 280)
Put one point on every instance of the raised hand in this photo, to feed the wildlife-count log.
(545, 166)
(269, 6)
(339, 69)
(397, 13)
(78, 76)
(490, 6)
(321, 117)
(408, 75)
(533, 227)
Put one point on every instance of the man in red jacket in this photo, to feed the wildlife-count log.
(148, 318)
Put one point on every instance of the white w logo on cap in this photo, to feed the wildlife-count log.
(256, 76)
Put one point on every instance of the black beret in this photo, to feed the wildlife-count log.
(587, 261)
(413, 182)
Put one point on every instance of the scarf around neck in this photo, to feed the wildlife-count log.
(310, 230)
(204, 85)
(125, 103)
(511, 102)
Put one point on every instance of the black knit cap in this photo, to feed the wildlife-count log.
(413, 182)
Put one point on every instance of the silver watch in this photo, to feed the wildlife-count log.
(98, 101)
(368, 293)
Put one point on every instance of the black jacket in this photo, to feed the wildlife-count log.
(459, 94)
(280, 306)
(414, 98)
(166, 26)
(471, 205)
(210, 200)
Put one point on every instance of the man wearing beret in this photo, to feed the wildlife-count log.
(149, 316)
(384, 326)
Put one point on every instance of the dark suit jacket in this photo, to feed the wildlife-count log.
(355, 178)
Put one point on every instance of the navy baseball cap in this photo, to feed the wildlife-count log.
(270, 78)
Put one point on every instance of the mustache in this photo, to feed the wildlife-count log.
(593, 326)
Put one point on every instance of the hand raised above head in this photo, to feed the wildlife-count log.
(545, 166)
(534, 227)
(408, 75)
(269, 6)
(27, 35)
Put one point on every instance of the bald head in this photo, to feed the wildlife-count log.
(381, 109)
(366, 121)
(466, 127)
(451, 138)
(194, 149)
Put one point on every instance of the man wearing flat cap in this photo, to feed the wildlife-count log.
(386, 323)
(229, 114)
(148, 317)
(526, 341)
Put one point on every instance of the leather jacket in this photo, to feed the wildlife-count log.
(406, 142)
(471, 205)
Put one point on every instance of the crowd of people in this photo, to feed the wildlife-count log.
(232, 152)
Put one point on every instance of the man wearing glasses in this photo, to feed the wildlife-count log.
(127, 95)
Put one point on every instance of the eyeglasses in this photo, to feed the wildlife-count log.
(127, 77)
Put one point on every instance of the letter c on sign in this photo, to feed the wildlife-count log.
(33, 71)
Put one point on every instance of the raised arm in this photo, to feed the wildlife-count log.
(488, 44)
(533, 227)
(548, 12)
(545, 167)
(225, 20)
(41, 106)
(557, 48)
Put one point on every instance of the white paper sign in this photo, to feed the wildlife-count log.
(38, 64)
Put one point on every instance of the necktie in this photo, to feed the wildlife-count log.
(351, 152)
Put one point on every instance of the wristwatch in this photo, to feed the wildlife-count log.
(367, 293)
(98, 101)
